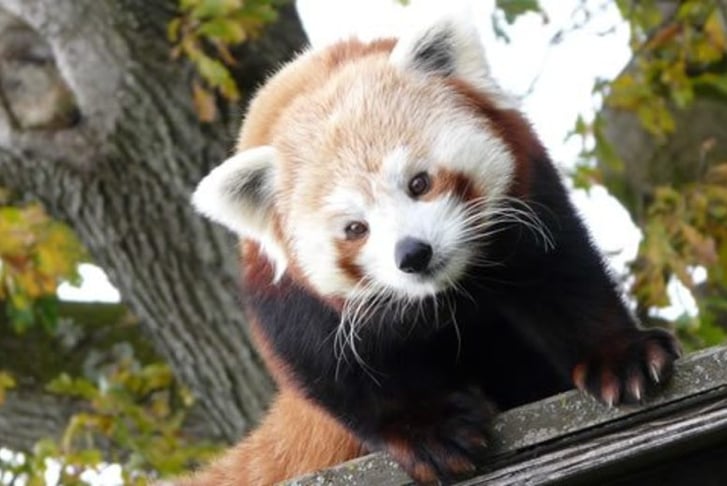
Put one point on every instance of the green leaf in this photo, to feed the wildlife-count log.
(77, 387)
(214, 8)
(716, 82)
(46, 313)
(515, 8)
(585, 176)
(173, 28)
(20, 312)
(212, 70)
(224, 29)
(218, 76)
(605, 151)
(6, 383)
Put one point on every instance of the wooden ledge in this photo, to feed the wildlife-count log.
(571, 438)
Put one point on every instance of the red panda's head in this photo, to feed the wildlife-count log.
(369, 168)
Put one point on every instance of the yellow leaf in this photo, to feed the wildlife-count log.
(204, 103)
(715, 30)
(6, 382)
(718, 174)
(28, 282)
(173, 28)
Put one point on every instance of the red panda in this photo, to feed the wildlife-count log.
(412, 263)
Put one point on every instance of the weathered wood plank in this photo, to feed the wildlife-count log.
(571, 436)
(600, 456)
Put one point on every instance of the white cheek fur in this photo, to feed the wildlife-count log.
(470, 148)
(318, 257)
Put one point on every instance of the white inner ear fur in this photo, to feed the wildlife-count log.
(239, 195)
(450, 46)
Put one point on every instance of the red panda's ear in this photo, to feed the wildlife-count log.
(239, 194)
(450, 46)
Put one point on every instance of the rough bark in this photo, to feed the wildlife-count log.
(119, 166)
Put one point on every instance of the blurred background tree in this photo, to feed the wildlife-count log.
(111, 111)
(659, 144)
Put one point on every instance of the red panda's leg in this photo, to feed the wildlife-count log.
(294, 438)
(565, 302)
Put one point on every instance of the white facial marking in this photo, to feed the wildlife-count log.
(394, 218)
(471, 148)
(316, 251)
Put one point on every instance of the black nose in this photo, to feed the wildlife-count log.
(412, 255)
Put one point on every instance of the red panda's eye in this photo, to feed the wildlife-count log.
(355, 230)
(419, 184)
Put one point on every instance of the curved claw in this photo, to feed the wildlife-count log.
(627, 367)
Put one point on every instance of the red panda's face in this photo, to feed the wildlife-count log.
(376, 177)
(389, 178)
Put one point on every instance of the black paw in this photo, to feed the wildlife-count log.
(629, 366)
(443, 443)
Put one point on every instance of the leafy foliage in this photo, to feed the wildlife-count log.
(683, 229)
(674, 57)
(204, 32)
(36, 255)
(512, 9)
(676, 60)
(134, 411)
(134, 418)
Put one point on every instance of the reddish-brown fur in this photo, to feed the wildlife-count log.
(347, 253)
(294, 438)
(334, 122)
(450, 182)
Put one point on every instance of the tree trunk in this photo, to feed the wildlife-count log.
(115, 152)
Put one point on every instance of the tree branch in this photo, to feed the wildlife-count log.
(28, 416)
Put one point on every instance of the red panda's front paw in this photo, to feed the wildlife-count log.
(448, 444)
(628, 366)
